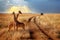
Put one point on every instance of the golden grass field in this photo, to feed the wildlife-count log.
(50, 23)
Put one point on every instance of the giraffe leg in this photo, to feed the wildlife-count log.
(23, 27)
(17, 28)
(14, 27)
(9, 28)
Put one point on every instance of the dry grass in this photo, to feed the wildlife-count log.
(50, 23)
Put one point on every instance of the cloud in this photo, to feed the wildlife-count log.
(2, 5)
(50, 6)
(6, 4)
(18, 2)
(34, 5)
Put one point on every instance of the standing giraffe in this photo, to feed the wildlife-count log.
(11, 24)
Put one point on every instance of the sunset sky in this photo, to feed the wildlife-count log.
(30, 6)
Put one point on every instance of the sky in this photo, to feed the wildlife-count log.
(35, 6)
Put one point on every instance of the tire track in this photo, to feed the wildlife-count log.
(49, 37)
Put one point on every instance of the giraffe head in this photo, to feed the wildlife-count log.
(20, 12)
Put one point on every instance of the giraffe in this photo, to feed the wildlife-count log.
(11, 24)
(21, 24)
(18, 24)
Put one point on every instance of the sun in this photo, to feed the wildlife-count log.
(23, 9)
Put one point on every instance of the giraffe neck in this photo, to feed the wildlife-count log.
(15, 19)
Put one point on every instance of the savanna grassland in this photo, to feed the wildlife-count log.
(45, 27)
